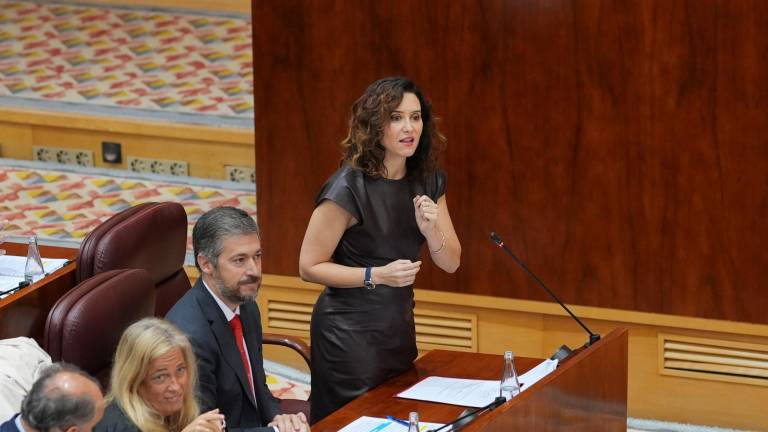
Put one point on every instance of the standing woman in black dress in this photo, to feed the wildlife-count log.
(364, 239)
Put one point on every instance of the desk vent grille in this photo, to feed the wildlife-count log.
(288, 315)
(439, 330)
(713, 359)
(434, 329)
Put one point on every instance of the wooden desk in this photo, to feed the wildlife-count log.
(24, 312)
(588, 392)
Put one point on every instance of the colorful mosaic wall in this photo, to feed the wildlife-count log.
(67, 206)
(126, 58)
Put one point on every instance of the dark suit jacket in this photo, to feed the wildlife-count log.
(10, 425)
(115, 420)
(223, 382)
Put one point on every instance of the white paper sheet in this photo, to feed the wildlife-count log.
(374, 424)
(11, 265)
(468, 392)
(12, 270)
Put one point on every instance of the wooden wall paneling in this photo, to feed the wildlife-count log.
(617, 147)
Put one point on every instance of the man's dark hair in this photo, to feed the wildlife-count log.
(48, 407)
(214, 226)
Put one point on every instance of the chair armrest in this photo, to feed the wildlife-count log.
(292, 342)
(295, 406)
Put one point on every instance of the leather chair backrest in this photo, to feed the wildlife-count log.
(149, 236)
(85, 324)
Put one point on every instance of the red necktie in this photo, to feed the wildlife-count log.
(237, 328)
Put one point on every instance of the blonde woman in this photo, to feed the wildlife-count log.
(152, 383)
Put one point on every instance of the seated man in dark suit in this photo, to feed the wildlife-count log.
(220, 317)
(63, 398)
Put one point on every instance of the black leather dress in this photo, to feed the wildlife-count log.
(361, 337)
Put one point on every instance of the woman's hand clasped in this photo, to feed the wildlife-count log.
(211, 421)
(426, 213)
(397, 273)
(290, 422)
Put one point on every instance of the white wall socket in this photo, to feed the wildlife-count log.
(158, 166)
(63, 156)
(239, 174)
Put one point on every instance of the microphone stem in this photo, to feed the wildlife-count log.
(592, 337)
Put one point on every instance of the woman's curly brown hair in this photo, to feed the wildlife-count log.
(370, 113)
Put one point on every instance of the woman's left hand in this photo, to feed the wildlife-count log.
(426, 213)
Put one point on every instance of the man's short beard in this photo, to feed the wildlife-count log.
(231, 295)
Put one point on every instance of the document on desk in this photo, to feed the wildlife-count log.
(8, 283)
(11, 265)
(374, 424)
(12, 270)
(469, 392)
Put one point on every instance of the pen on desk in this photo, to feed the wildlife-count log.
(397, 420)
(21, 285)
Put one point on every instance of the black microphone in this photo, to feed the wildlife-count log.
(467, 417)
(563, 351)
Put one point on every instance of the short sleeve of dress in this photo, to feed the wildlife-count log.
(436, 185)
(345, 188)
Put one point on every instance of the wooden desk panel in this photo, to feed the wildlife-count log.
(588, 392)
(24, 312)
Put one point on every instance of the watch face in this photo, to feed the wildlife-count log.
(370, 284)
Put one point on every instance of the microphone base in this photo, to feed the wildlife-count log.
(593, 338)
(562, 353)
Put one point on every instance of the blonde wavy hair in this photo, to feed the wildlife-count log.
(142, 342)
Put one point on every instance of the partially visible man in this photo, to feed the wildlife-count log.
(220, 317)
(63, 399)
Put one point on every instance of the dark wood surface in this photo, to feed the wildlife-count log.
(620, 148)
(24, 312)
(587, 392)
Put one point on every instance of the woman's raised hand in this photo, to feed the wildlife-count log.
(426, 213)
(211, 421)
(397, 273)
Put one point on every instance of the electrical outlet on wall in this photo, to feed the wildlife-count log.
(138, 164)
(158, 166)
(240, 174)
(83, 158)
(178, 168)
(63, 156)
(43, 154)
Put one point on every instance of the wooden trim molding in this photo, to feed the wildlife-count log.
(239, 6)
(549, 308)
(88, 122)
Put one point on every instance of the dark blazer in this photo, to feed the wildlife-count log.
(115, 420)
(222, 382)
(10, 425)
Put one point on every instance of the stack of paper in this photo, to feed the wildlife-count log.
(12, 270)
(469, 392)
(373, 424)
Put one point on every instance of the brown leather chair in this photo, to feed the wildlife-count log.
(149, 236)
(85, 324)
(291, 406)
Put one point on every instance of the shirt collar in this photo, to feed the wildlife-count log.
(19, 426)
(228, 313)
